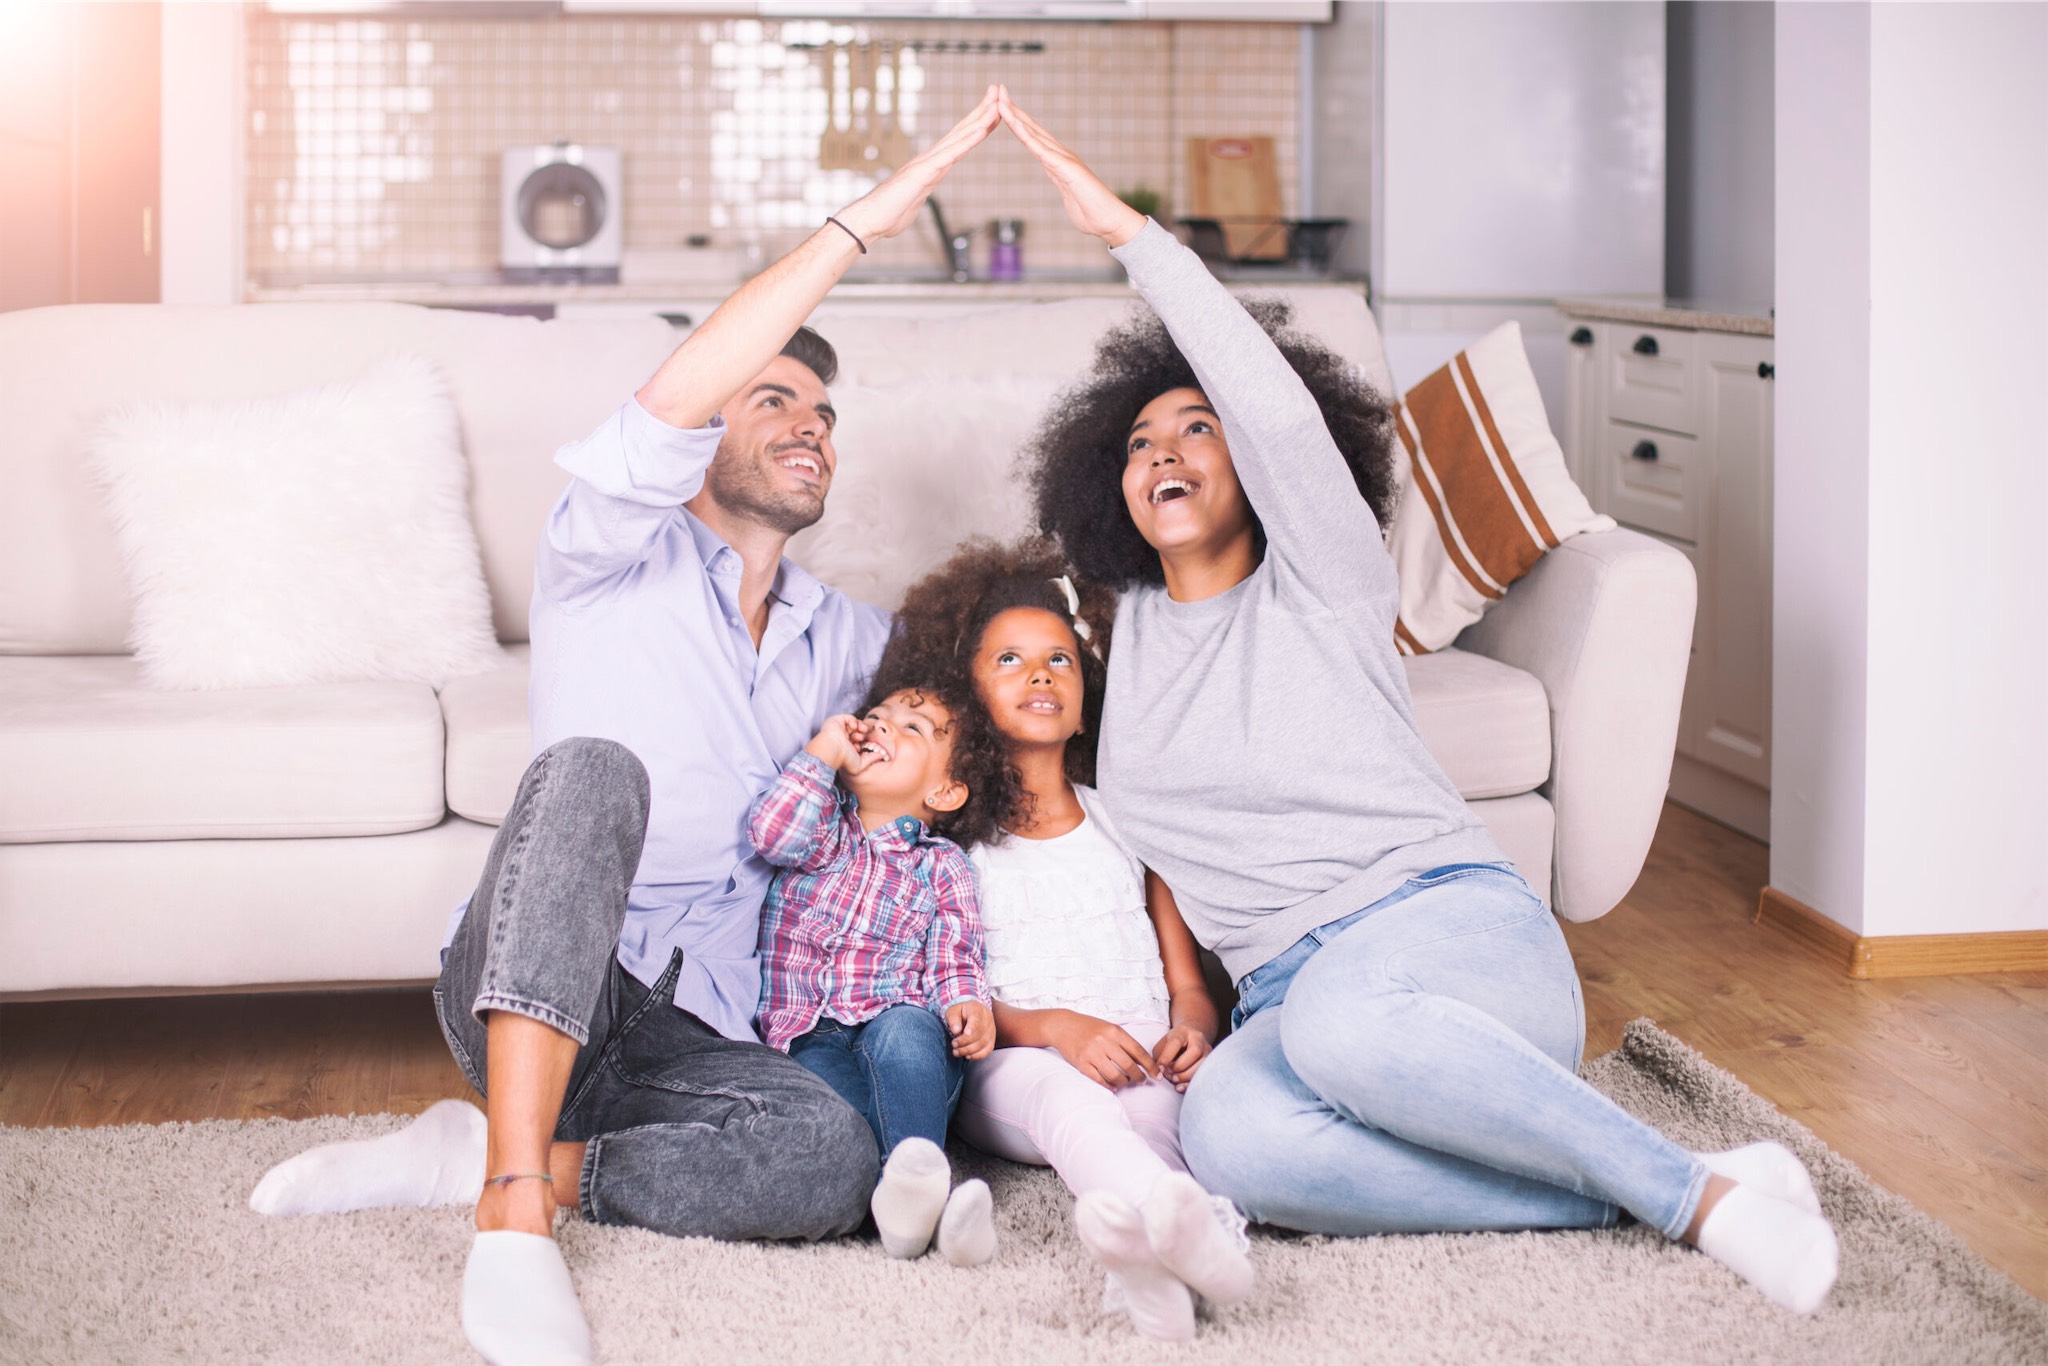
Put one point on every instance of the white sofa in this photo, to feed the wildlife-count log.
(154, 841)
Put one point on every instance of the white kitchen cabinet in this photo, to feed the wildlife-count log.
(1668, 430)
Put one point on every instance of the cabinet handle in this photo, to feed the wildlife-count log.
(1582, 337)
(1645, 450)
(1766, 370)
(675, 319)
(1646, 345)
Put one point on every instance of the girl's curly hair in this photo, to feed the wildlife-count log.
(1077, 456)
(932, 646)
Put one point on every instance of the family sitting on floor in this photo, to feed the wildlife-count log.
(954, 867)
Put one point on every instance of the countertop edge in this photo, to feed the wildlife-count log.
(1662, 315)
(971, 292)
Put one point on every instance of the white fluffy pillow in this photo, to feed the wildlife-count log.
(319, 536)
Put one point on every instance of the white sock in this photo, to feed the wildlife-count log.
(1770, 1168)
(1160, 1306)
(1777, 1247)
(1183, 1225)
(438, 1159)
(910, 1197)
(967, 1230)
(518, 1305)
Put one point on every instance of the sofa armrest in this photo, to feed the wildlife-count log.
(1605, 622)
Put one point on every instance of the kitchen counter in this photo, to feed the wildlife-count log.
(485, 292)
(1754, 320)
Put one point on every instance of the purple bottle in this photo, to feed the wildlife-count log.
(1006, 253)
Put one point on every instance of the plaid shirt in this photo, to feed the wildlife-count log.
(857, 922)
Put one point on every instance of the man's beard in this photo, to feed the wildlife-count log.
(742, 484)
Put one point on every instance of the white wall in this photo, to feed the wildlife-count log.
(1910, 769)
(1820, 497)
(1337, 131)
(1958, 710)
(202, 153)
(1718, 225)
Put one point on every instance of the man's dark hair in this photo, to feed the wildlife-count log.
(1077, 456)
(813, 350)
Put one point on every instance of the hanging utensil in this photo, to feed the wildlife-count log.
(838, 148)
(892, 144)
(862, 56)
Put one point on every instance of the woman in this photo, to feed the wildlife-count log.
(1409, 1026)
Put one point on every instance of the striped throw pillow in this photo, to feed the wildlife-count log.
(1484, 490)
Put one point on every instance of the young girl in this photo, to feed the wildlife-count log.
(1101, 1013)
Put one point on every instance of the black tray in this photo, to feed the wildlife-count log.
(1311, 242)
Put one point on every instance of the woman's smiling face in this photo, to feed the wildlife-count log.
(1179, 483)
(1027, 669)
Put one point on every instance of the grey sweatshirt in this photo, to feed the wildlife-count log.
(1259, 749)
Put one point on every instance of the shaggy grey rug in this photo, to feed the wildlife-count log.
(136, 1244)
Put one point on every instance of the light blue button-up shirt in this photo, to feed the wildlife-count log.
(638, 637)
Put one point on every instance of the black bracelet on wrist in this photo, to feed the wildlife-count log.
(849, 232)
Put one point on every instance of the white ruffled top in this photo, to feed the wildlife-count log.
(1066, 925)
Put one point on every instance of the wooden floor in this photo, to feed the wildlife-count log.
(1938, 1087)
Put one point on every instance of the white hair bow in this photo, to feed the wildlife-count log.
(1066, 587)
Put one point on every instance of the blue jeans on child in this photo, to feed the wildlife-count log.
(1412, 1068)
(897, 1069)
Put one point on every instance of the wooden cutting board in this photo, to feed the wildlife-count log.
(1238, 178)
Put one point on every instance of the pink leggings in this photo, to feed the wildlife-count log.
(1031, 1105)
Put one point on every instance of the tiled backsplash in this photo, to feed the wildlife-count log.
(373, 146)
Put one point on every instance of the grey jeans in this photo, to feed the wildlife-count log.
(688, 1132)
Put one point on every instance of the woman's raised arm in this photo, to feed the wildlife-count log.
(1296, 478)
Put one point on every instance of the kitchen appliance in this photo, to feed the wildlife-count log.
(559, 213)
(1519, 159)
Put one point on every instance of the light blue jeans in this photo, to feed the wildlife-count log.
(1413, 1068)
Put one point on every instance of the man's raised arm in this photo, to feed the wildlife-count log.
(750, 328)
(650, 457)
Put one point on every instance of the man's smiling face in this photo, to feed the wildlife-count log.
(774, 464)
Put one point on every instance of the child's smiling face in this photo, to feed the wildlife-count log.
(1027, 669)
(906, 761)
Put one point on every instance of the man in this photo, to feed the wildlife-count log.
(600, 985)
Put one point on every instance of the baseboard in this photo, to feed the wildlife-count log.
(1826, 937)
(1719, 796)
(1903, 955)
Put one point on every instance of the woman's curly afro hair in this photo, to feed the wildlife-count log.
(932, 647)
(1077, 456)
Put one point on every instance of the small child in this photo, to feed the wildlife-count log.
(871, 952)
(1101, 1012)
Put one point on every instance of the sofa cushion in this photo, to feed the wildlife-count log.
(95, 754)
(522, 387)
(1525, 828)
(179, 914)
(1484, 489)
(1487, 723)
(319, 536)
(489, 740)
